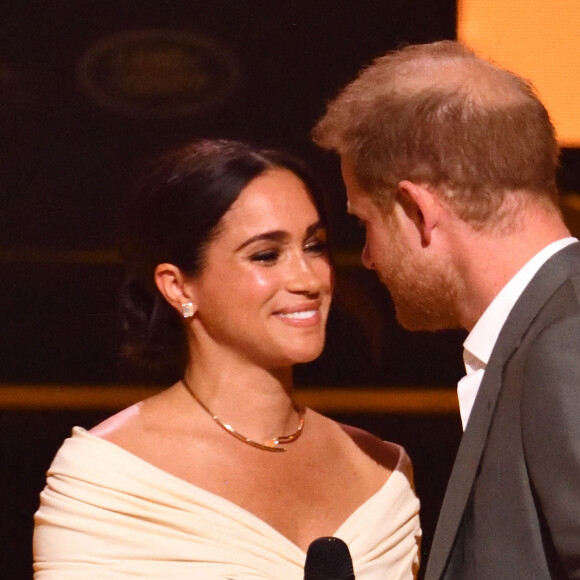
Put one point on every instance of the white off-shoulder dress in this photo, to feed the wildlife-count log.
(106, 514)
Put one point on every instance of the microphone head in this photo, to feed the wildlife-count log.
(328, 558)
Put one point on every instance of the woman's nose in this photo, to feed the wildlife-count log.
(303, 277)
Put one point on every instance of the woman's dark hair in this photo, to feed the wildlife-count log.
(171, 216)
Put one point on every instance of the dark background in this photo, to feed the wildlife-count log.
(66, 158)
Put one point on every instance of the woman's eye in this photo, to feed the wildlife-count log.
(265, 256)
(317, 247)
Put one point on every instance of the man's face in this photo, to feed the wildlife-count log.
(422, 283)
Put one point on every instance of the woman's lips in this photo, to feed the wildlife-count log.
(301, 316)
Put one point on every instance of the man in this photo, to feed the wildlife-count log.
(450, 163)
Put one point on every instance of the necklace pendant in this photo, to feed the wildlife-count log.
(271, 443)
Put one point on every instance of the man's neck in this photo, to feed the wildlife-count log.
(488, 260)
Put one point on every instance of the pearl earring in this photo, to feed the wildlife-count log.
(187, 309)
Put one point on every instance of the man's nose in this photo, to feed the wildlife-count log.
(366, 257)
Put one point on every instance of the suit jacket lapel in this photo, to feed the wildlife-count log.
(556, 270)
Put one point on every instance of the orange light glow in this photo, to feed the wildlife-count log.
(540, 41)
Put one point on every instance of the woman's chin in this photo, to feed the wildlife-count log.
(307, 355)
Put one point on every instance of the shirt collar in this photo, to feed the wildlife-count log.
(481, 340)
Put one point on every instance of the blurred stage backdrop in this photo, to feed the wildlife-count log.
(89, 91)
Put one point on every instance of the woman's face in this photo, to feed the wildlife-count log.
(265, 289)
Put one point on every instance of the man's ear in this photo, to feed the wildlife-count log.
(171, 282)
(422, 206)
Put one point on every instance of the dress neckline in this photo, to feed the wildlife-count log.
(392, 479)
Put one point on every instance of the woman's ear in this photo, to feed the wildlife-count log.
(422, 206)
(171, 282)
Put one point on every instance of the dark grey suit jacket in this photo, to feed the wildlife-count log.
(512, 506)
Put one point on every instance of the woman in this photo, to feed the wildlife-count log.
(224, 475)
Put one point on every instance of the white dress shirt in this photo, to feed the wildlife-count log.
(479, 343)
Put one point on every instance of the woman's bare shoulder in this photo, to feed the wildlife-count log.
(114, 426)
(388, 454)
(133, 421)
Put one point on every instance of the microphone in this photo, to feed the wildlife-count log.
(328, 558)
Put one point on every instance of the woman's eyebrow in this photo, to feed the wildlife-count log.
(274, 236)
(313, 228)
(279, 235)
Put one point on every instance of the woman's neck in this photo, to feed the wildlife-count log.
(253, 400)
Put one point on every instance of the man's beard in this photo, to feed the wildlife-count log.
(425, 294)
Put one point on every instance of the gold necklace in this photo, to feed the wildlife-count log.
(270, 445)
